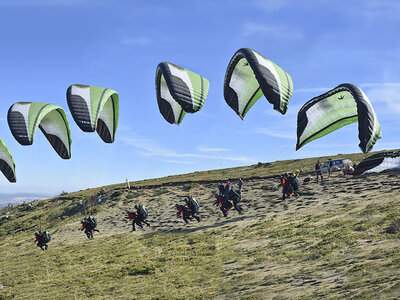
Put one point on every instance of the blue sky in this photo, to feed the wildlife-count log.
(48, 45)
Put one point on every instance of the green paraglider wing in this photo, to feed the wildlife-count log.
(378, 162)
(94, 109)
(25, 117)
(178, 91)
(250, 75)
(7, 165)
(334, 109)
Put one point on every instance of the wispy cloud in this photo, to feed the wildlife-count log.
(312, 90)
(149, 148)
(123, 127)
(137, 41)
(204, 149)
(384, 93)
(250, 29)
(380, 84)
(273, 133)
(185, 162)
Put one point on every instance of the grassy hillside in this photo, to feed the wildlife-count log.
(337, 240)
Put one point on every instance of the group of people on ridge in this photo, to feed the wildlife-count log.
(227, 198)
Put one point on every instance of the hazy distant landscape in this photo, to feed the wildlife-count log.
(18, 198)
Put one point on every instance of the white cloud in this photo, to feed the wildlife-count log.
(123, 127)
(387, 94)
(137, 41)
(185, 162)
(312, 90)
(380, 84)
(204, 149)
(250, 29)
(273, 133)
(149, 148)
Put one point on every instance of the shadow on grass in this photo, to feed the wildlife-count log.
(184, 229)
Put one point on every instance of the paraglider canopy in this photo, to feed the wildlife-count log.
(178, 91)
(94, 109)
(334, 109)
(250, 75)
(25, 117)
(7, 165)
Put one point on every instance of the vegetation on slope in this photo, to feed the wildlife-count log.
(338, 240)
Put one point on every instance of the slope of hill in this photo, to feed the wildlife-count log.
(339, 239)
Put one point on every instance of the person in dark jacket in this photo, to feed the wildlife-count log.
(138, 217)
(225, 204)
(294, 181)
(194, 206)
(229, 197)
(330, 167)
(186, 213)
(318, 171)
(287, 189)
(41, 239)
(89, 226)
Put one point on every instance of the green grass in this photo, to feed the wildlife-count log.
(344, 252)
(156, 266)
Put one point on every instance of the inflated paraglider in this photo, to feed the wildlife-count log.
(94, 109)
(378, 162)
(25, 117)
(179, 91)
(249, 76)
(7, 165)
(341, 106)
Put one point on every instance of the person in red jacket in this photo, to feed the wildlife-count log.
(225, 204)
(138, 217)
(41, 239)
(287, 188)
(88, 225)
(186, 213)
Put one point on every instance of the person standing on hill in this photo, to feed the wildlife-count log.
(330, 167)
(318, 171)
